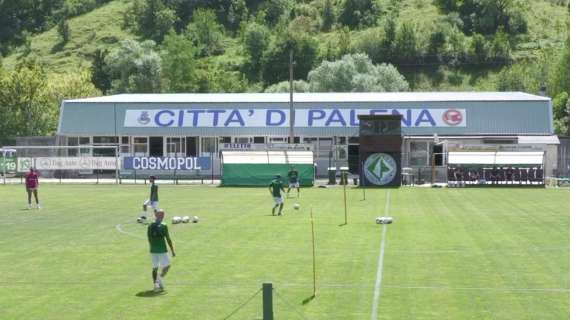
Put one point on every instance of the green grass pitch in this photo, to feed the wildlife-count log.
(450, 254)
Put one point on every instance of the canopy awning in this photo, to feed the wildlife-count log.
(496, 158)
(268, 157)
(539, 140)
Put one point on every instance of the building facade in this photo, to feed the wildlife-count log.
(202, 125)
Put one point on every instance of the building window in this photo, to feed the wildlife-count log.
(325, 147)
(125, 145)
(105, 140)
(340, 140)
(72, 141)
(259, 140)
(175, 146)
(82, 142)
(277, 139)
(296, 140)
(354, 140)
(209, 144)
(225, 139)
(419, 153)
(140, 145)
(241, 139)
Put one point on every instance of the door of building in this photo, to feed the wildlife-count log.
(156, 146)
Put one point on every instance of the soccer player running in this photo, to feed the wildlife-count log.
(152, 200)
(32, 184)
(275, 188)
(293, 181)
(158, 236)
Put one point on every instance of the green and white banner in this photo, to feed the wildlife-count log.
(8, 164)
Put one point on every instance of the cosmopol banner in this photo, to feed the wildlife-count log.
(167, 163)
(381, 169)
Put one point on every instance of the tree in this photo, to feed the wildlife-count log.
(275, 65)
(436, 44)
(388, 43)
(274, 10)
(63, 30)
(519, 77)
(356, 72)
(71, 86)
(100, 76)
(561, 110)
(255, 41)
(327, 16)
(561, 76)
(283, 86)
(479, 50)
(24, 104)
(179, 64)
(359, 13)
(153, 18)
(500, 50)
(206, 32)
(134, 67)
(406, 45)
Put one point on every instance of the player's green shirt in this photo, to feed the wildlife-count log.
(153, 192)
(157, 233)
(293, 175)
(276, 186)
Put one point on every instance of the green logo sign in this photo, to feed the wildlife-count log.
(7, 164)
(380, 168)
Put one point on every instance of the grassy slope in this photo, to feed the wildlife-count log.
(451, 254)
(99, 28)
(102, 28)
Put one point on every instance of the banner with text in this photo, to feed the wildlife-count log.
(76, 163)
(7, 164)
(315, 117)
(166, 163)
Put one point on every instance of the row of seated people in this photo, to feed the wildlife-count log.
(495, 175)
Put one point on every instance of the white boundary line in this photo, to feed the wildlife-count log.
(378, 284)
(119, 228)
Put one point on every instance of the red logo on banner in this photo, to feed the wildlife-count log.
(452, 117)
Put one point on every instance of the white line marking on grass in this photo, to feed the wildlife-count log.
(562, 290)
(378, 284)
(119, 228)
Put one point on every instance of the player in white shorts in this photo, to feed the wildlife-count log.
(158, 238)
(275, 188)
(293, 176)
(152, 201)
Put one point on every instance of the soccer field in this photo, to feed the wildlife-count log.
(450, 254)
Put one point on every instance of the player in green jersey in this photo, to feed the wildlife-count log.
(158, 236)
(293, 176)
(152, 200)
(275, 188)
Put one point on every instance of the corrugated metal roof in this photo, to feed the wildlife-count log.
(313, 97)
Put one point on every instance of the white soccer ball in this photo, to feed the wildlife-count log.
(296, 206)
(176, 220)
(185, 219)
(384, 220)
(195, 219)
(140, 220)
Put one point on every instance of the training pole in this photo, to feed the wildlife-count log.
(267, 301)
(314, 255)
(344, 191)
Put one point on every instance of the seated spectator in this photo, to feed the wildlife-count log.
(494, 175)
(531, 175)
(539, 175)
(509, 175)
(524, 175)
